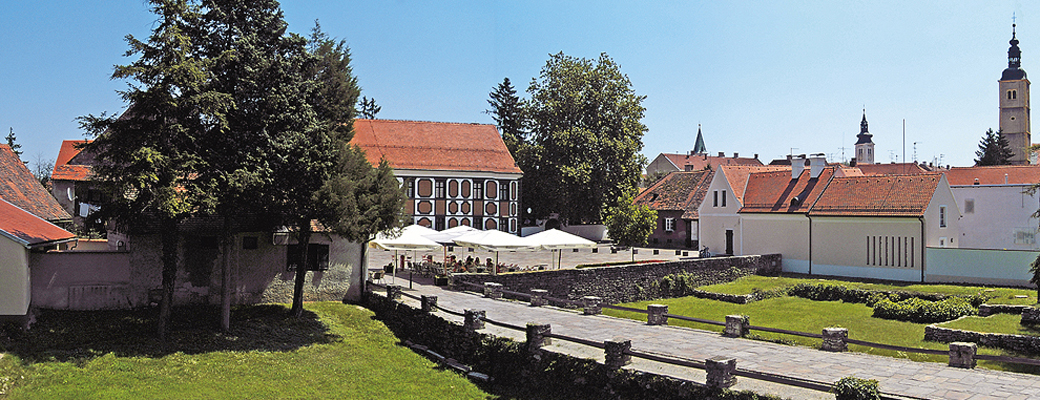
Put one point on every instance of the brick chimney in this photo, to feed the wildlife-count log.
(816, 164)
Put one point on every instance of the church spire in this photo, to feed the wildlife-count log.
(864, 135)
(698, 147)
(1014, 70)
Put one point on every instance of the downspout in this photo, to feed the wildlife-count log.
(923, 247)
(810, 242)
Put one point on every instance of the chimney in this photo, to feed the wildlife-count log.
(1005, 179)
(722, 154)
(756, 156)
(735, 154)
(797, 165)
(816, 164)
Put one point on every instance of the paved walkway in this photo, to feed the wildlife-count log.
(896, 376)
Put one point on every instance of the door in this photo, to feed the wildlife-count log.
(729, 241)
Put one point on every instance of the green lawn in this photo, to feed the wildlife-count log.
(755, 283)
(997, 323)
(337, 352)
(803, 315)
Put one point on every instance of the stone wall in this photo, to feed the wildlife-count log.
(626, 283)
(1018, 343)
(986, 310)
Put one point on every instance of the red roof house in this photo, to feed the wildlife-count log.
(676, 198)
(19, 187)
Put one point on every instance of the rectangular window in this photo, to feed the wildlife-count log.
(1025, 236)
(439, 184)
(317, 257)
(942, 216)
(715, 198)
(969, 206)
(503, 191)
(411, 187)
(478, 189)
(723, 198)
(669, 224)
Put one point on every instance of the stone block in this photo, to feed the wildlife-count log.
(493, 290)
(962, 354)
(615, 353)
(1031, 316)
(393, 292)
(592, 304)
(474, 319)
(834, 339)
(537, 336)
(721, 372)
(538, 297)
(656, 314)
(428, 303)
(736, 326)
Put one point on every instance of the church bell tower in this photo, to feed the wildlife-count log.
(864, 144)
(1014, 104)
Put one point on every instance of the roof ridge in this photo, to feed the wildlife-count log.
(420, 121)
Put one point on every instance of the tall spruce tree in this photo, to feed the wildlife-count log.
(146, 157)
(368, 108)
(13, 144)
(508, 112)
(993, 150)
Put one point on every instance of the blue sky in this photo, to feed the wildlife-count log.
(760, 77)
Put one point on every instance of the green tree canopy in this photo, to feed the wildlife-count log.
(993, 150)
(586, 137)
(630, 224)
(509, 114)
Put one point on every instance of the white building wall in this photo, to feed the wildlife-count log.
(787, 234)
(937, 235)
(997, 217)
(714, 219)
(14, 278)
(868, 247)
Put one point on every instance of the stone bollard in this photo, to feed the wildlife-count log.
(536, 336)
(393, 292)
(591, 303)
(615, 353)
(962, 354)
(538, 297)
(493, 290)
(429, 303)
(736, 326)
(834, 339)
(655, 314)
(474, 320)
(720, 372)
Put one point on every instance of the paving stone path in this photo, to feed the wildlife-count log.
(898, 377)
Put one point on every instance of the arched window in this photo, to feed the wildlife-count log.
(1012, 94)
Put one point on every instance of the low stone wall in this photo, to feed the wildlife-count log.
(627, 283)
(729, 298)
(986, 310)
(1031, 316)
(1018, 343)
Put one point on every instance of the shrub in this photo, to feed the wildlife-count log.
(923, 311)
(852, 388)
(827, 292)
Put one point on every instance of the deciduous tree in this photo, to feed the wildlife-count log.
(630, 224)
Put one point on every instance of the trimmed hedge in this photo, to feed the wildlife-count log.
(923, 311)
(852, 388)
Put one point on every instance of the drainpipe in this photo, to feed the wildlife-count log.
(923, 247)
(810, 243)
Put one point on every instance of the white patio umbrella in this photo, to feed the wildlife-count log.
(496, 241)
(448, 236)
(408, 238)
(557, 240)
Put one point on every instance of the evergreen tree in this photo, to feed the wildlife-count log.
(586, 138)
(368, 108)
(993, 150)
(508, 112)
(10, 138)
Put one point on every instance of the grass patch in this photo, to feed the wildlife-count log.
(803, 315)
(997, 323)
(755, 283)
(336, 351)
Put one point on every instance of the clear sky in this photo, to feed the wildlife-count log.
(760, 77)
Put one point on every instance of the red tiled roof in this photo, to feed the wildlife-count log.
(678, 191)
(19, 187)
(436, 146)
(698, 162)
(994, 175)
(773, 192)
(69, 166)
(28, 229)
(891, 169)
(878, 195)
(737, 176)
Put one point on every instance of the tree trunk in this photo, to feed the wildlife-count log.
(226, 245)
(170, 238)
(301, 269)
(364, 270)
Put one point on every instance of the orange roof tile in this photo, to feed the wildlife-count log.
(891, 169)
(72, 164)
(19, 187)
(698, 162)
(878, 195)
(436, 146)
(28, 229)
(737, 175)
(776, 192)
(678, 191)
(994, 175)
